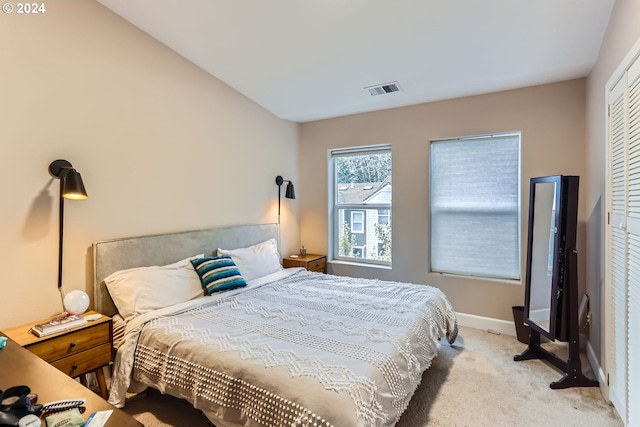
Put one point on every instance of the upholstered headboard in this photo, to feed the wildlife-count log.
(119, 254)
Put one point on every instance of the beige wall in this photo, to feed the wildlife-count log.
(161, 145)
(622, 32)
(551, 118)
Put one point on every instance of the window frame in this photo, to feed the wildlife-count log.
(334, 207)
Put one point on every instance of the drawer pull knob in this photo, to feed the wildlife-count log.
(74, 367)
(72, 345)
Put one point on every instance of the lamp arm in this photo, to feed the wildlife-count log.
(290, 194)
(279, 182)
(64, 171)
(60, 236)
(60, 241)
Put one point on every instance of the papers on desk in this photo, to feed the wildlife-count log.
(98, 419)
(69, 418)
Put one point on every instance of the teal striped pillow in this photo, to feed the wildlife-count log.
(218, 273)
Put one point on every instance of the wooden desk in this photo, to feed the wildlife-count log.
(18, 366)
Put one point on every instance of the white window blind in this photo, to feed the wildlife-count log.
(475, 206)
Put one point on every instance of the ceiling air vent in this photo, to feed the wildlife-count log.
(383, 88)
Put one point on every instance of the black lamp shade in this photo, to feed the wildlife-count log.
(72, 186)
(290, 193)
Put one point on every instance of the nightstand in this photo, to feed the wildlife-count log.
(75, 352)
(311, 262)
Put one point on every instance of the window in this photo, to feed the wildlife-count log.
(383, 216)
(475, 206)
(357, 221)
(358, 251)
(360, 200)
(381, 250)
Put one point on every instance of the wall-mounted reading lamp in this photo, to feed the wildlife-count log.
(289, 193)
(71, 187)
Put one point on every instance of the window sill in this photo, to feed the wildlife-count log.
(484, 279)
(360, 264)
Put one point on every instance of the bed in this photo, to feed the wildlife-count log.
(287, 347)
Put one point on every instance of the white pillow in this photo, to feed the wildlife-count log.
(257, 260)
(143, 289)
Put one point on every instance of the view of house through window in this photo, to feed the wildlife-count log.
(475, 206)
(361, 193)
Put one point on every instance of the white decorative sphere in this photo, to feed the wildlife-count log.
(76, 302)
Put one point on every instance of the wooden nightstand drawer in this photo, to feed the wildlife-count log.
(85, 361)
(71, 343)
(311, 262)
(319, 265)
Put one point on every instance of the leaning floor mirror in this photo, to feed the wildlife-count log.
(551, 287)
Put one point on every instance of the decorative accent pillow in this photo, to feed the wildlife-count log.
(143, 289)
(218, 273)
(257, 260)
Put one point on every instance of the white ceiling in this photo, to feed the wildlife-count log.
(305, 60)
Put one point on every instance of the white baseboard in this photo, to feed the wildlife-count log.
(478, 322)
(597, 369)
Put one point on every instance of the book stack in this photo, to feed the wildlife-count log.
(58, 324)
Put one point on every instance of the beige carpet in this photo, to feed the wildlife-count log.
(474, 383)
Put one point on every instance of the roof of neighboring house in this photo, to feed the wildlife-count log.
(360, 192)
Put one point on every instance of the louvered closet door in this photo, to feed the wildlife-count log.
(623, 244)
(633, 257)
(617, 245)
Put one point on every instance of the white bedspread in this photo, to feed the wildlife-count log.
(294, 348)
